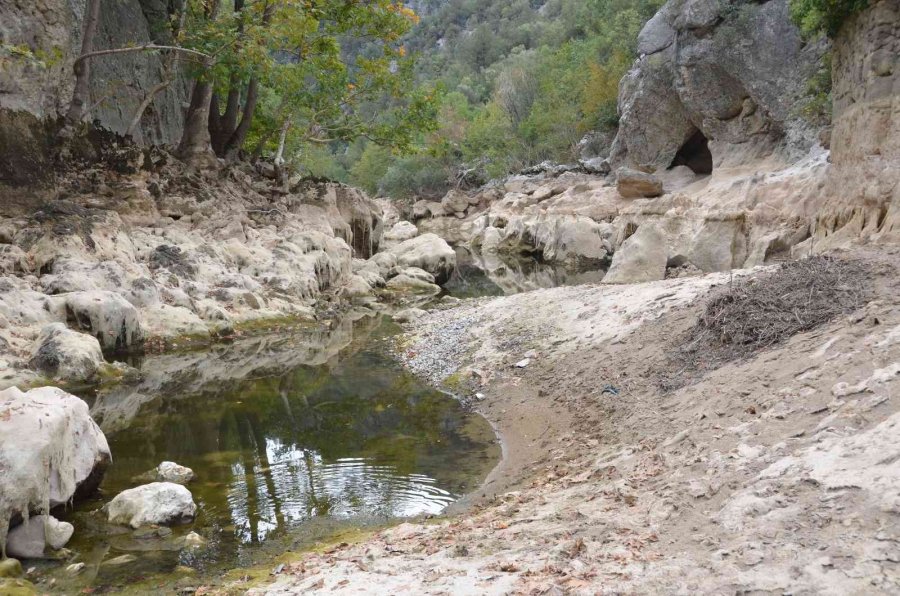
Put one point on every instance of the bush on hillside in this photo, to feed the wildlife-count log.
(824, 16)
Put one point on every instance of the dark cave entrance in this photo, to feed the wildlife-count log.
(695, 154)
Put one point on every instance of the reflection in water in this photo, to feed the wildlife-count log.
(491, 274)
(285, 451)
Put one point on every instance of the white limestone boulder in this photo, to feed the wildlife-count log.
(51, 451)
(429, 252)
(66, 355)
(106, 315)
(157, 503)
(641, 258)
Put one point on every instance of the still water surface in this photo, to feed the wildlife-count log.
(293, 439)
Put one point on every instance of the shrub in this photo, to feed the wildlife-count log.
(824, 16)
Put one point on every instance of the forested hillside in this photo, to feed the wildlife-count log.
(521, 81)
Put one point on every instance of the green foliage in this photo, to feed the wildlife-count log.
(522, 81)
(824, 16)
(816, 107)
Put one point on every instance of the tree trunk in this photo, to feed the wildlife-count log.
(195, 141)
(279, 155)
(82, 68)
(236, 141)
(194, 147)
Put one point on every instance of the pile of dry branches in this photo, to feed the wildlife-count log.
(754, 313)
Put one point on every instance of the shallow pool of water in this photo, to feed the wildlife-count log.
(293, 438)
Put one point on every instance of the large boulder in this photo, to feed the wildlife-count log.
(157, 503)
(66, 355)
(429, 252)
(633, 184)
(32, 539)
(51, 452)
(641, 258)
(108, 316)
(730, 72)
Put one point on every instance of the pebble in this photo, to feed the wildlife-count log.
(523, 363)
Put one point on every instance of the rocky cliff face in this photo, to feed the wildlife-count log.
(39, 40)
(711, 107)
(727, 73)
(864, 181)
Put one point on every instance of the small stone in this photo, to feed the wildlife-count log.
(120, 560)
(194, 540)
(75, 568)
(523, 363)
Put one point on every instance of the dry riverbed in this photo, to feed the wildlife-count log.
(774, 473)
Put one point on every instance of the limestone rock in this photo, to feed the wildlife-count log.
(157, 503)
(633, 184)
(169, 471)
(108, 316)
(173, 323)
(31, 539)
(51, 451)
(429, 252)
(641, 258)
(401, 231)
(734, 76)
(427, 209)
(66, 355)
(455, 201)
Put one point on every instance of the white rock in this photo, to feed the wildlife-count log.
(169, 471)
(66, 355)
(523, 363)
(429, 252)
(157, 503)
(49, 447)
(30, 539)
(403, 230)
(173, 322)
(106, 315)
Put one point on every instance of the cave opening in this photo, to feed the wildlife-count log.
(695, 154)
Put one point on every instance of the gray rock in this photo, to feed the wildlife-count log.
(409, 315)
(66, 355)
(169, 471)
(633, 184)
(31, 539)
(597, 165)
(429, 252)
(641, 258)
(736, 76)
(427, 209)
(157, 503)
(401, 231)
(455, 201)
(108, 316)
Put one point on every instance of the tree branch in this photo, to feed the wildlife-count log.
(143, 48)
